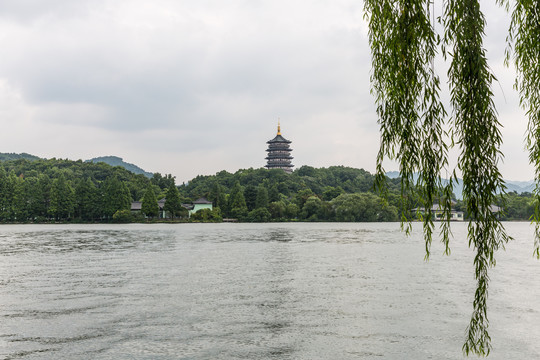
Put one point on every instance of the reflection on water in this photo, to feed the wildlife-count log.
(83, 240)
(279, 234)
(254, 291)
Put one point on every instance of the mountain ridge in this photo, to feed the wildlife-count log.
(517, 186)
(110, 160)
(15, 156)
(118, 161)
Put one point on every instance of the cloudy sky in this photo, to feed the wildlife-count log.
(195, 87)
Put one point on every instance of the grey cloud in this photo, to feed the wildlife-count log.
(200, 76)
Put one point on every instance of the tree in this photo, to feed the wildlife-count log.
(519, 207)
(362, 207)
(3, 193)
(172, 202)
(217, 196)
(523, 35)
(277, 209)
(260, 214)
(237, 202)
(291, 211)
(301, 197)
(262, 197)
(116, 196)
(87, 200)
(312, 208)
(149, 206)
(19, 200)
(411, 116)
(43, 196)
(207, 215)
(10, 184)
(62, 202)
(331, 192)
(250, 195)
(122, 216)
(273, 194)
(163, 182)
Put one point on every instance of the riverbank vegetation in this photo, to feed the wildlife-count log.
(56, 190)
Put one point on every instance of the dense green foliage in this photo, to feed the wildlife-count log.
(207, 215)
(150, 205)
(478, 135)
(308, 194)
(173, 205)
(336, 193)
(406, 87)
(524, 47)
(64, 190)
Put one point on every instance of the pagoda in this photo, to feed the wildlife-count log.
(279, 153)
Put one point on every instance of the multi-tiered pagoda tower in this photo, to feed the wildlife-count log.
(279, 153)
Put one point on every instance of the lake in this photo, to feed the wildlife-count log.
(256, 291)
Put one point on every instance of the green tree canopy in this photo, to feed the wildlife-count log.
(237, 202)
(116, 196)
(312, 208)
(250, 196)
(87, 202)
(149, 206)
(259, 215)
(262, 197)
(172, 202)
(62, 201)
(362, 207)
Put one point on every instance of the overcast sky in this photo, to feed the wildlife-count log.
(195, 87)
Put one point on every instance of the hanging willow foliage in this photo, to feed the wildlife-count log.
(525, 34)
(476, 129)
(411, 117)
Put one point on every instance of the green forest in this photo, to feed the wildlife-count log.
(56, 190)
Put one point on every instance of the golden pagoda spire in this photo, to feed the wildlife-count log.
(278, 128)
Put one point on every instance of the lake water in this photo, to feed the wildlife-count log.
(256, 291)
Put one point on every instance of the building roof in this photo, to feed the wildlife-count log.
(437, 208)
(137, 205)
(278, 139)
(202, 201)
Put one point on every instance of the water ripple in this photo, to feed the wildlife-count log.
(254, 291)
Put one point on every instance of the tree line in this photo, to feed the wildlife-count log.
(336, 193)
(64, 190)
(59, 190)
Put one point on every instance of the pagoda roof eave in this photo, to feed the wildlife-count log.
(279, 157)
(278, 139)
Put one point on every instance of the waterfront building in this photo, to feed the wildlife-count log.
(279, 153)
(438, 213)
(200, 204)
(195, 206)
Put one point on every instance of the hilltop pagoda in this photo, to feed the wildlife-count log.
(279, 153)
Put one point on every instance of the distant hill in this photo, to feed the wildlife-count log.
(117, 161)
(13, 156)
(520, 186)
(517, 186)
